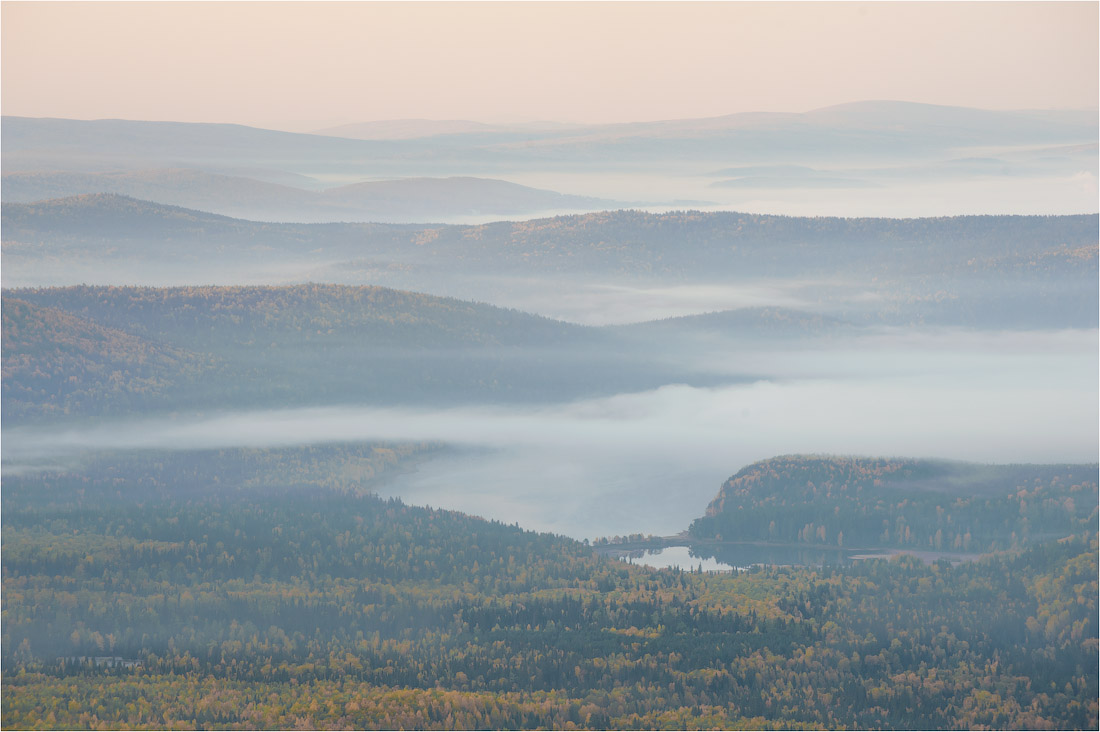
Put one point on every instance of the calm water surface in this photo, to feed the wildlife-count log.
(678, 556)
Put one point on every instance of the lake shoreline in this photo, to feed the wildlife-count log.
(654, 546)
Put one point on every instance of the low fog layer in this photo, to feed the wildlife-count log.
(865, 159)
(1067, 187)
(651, 461)
(610, 303)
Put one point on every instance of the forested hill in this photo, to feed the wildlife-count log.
(887, 502)
(246, 589)
(56, 363)
(1003, 272)
(114, 350)
(611, 242)
(741, 243)
(93, 350)
(217, 317)
(99, 218)
(405, 199)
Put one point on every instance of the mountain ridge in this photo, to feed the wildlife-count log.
(395, 200)
(924, 126)
(302, 345)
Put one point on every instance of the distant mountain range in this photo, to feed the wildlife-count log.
(860, 129)
(680, 244)
(896, 116)
(409, 129)
(411, 199)
(450, 171)
(1001, 271)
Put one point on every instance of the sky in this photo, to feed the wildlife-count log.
(307, 66)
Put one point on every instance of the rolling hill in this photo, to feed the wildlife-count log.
(270, 586)
(828, 501)
(81, 351)
(405, 200)
(678, 244)
(57, 364)
(859, 129)
(978, 271)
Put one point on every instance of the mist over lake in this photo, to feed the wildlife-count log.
(550, 366)
(649, 461)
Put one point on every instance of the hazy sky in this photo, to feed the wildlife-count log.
(303, 66)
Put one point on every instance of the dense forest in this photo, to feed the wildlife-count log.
(264, 589)
(274, 588)
(972, 271)
(913, 504)
(56, 364)
(83, 351)
(217, 318)
(680, 243)
(300, 433)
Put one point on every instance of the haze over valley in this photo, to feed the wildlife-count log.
(861, 159)
(550, 366)
(722, 337)
(843, 337)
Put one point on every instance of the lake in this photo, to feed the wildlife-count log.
(728, 557)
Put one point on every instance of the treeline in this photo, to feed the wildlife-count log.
(56, 364)
(678, 243)
(115, 350)
(122, 224)
(694, 242)
(220, 318)
(912, 504)
(973, 271)
(258, 602)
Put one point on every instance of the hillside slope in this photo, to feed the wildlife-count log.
(307, 345)
(905, 503)
(684, 243)
(57, 364)
(411, 199)
(305, 601)
(972, 271)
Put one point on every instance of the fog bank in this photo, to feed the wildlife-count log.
(650, 461)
